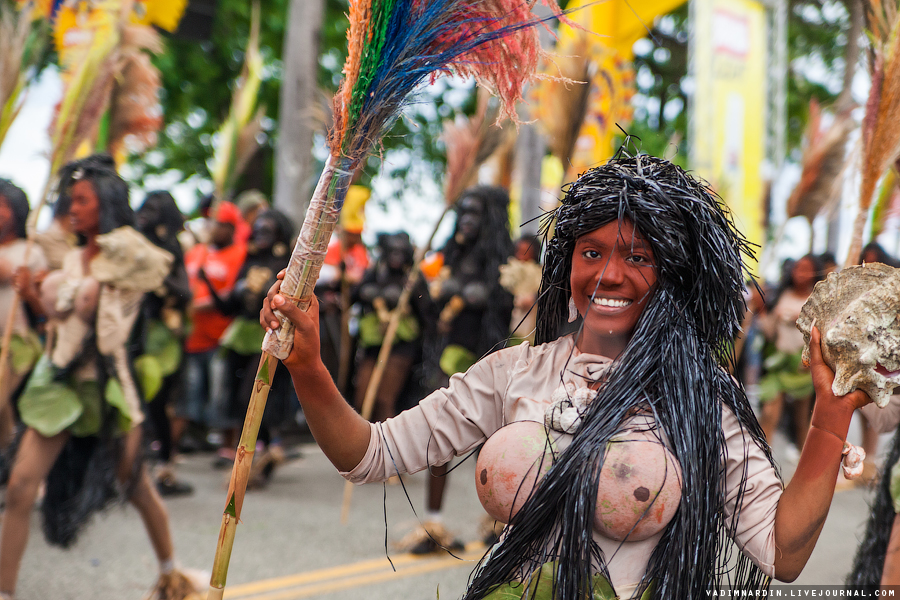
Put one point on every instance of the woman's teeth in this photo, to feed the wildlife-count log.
(615, 303)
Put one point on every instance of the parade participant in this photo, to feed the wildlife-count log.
(377, 296)
(646, 257)
(81, 406)
(220, 261)
(473, 320)
(250, 203)
(15, 287)
(521, 277)
(268, 253)
(786, 381)
(164, 326)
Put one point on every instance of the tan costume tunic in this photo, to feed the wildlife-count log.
(97, 303)
(516, 384)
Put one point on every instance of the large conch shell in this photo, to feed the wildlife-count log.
(857, 312)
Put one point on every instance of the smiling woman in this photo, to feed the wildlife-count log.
(646, 465)
(613, 276)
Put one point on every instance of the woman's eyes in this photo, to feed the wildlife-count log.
(638, 259)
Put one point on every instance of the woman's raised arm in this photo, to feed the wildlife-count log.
(804, 505)
(339, 430)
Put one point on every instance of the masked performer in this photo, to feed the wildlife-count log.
(82, 406)
(648, 459)
(378, 295)
(267, 254)
(164, 325)
(474, 314)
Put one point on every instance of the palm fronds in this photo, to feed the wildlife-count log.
(585, 80)
(880, 134)
(89, 73)
(468, 142)
(15, 27)
(237, 138)
(823, 164)
(136, 114)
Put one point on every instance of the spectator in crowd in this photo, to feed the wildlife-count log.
(219, 261)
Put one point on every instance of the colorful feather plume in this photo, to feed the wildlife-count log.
(14, 29)
(880, 134)
(394, 45)
(823, 164)
(237, 139)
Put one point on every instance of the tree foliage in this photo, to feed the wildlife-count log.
(198, 76)
(198, 79)
(817, 42)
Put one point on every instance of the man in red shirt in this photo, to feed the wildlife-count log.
(217, 262)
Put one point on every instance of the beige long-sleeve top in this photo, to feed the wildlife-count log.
(515, 384)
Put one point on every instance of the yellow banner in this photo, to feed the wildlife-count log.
(728, 112)
(613, 26)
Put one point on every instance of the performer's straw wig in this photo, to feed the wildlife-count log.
(671, 367)
(18, 205)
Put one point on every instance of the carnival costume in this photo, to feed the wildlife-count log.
(669, 383)
(377, 297)
(84, 384)
(868, 563)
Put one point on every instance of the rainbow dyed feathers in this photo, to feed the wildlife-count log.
(394, 45)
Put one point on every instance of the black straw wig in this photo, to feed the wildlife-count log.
(18, 205)
(671, 367)
(868, 564)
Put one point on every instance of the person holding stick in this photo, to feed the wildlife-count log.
(646, 462)
(16, 263)
(81, 405)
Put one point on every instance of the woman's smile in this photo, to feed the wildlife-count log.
(613, 276)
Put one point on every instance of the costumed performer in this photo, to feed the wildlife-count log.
(268, 253)
(81, 405)
(473, 320)
(377, 297)
(16, 287)
(164, 328)
(654, 462)
(786, 381)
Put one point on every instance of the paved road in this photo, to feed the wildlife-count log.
(292, 544)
